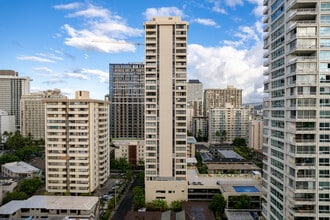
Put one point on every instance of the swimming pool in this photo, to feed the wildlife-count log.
(245, 189)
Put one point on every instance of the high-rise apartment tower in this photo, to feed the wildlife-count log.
(219, 98)
(76, 144)
(12, 87)
(296, 170)
(165, 108)
(33, 112)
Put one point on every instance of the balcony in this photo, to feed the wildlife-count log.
(302, 59)
(302, 13)
(304, 23)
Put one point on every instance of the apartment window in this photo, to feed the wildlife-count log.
(325, 43)
(276, 4)
(324, 185)
(325, 90)
(324, 162)
(324, 55)
(324, 114)
(325, 19)
(325, 31)
(324, 150)
(325, 6)
(325, 138)
(324, 173)
(324, 209)
(277, 73)
(324, 67)
(278, 32)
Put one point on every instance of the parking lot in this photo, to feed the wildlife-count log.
(108, 187)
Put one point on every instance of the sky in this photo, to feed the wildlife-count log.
(69, 44)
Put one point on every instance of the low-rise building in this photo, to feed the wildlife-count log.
(132, 150)
(52, 207)
(6, 185)
(191, 141)
(19, 169)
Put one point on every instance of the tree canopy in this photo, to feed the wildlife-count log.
(157, 205)
(138, 197)
(218, 205)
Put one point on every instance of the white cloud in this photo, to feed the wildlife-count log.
(35, 59)
(164, 11)
(50, 56)
(42, 69)
(102, 75)
(218, 67)
(53, 81)
(92, 12)
(246, 35)
(70, 6)
(89, 40)
(233, 3)
(258, 10)
(205, 21)
(77, 76)
(217, 7)
(103, 32)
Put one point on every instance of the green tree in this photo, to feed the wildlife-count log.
(16, 141)
(223, 136)
(140, 177)
(29, 186)
(240, 202)
(157, 205)
(27, 153)
(120, 164)
(7, 158)
(238, 142)
(138, 197)
(176, 205)
(218, 205)
(217, 133)
(14, 196)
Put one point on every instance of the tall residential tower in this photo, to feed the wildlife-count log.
(165, 108)
(12, 87)
(296, 169)
(76, 144)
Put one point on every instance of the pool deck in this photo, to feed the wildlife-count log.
(224, 183)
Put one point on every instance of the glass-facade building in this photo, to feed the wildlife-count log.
(126, 97)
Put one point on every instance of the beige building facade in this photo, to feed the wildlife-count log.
(76, 144)
(256, 134)
(220, 98)
(33, 112)
(165, 108)
(132, 150)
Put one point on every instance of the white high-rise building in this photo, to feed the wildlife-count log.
(296, 170)
(226, 124)
(165, 109)
(76, 144)
(12, 87)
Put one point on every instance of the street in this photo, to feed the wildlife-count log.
(126, 203)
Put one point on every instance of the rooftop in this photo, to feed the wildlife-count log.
(213, 180)
(241, 215)
(51, 202)
(230, 154)
(21, 167)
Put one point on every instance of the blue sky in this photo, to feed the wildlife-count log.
(69, 44)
